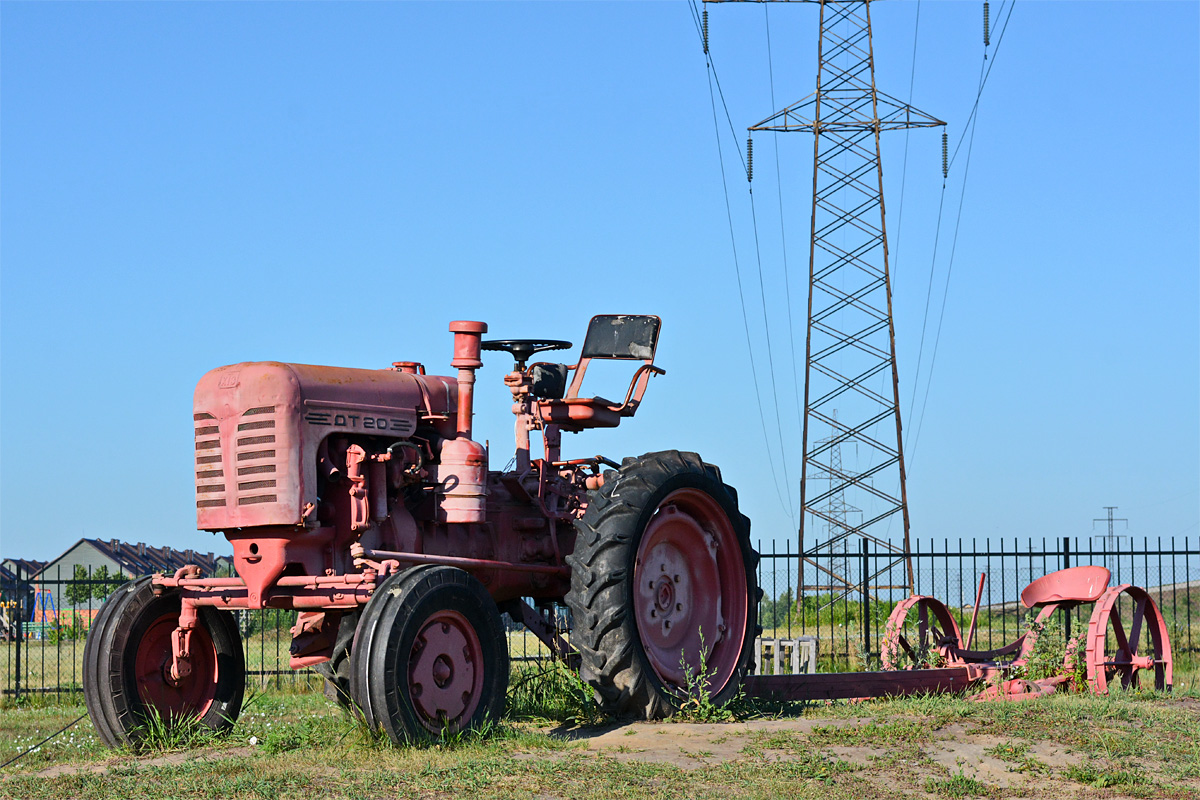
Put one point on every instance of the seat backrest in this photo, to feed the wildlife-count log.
(628, 337)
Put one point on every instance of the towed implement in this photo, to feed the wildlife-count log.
(359, 499)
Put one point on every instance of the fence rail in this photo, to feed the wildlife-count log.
(44, 618)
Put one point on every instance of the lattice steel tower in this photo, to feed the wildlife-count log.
(837, 511)
(850, 342)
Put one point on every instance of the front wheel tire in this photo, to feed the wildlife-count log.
(430, 656)
(127, 661)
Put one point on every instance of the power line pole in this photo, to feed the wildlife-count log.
(851, 342)
(837, 511)
(1112, 540)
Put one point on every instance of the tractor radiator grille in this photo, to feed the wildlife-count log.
(245, 476)
(254, 455)
(210, 473)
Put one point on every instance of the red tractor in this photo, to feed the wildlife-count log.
(359, 499)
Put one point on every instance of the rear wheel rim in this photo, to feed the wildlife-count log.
(446, 672)
(194, 694)
(690, 591)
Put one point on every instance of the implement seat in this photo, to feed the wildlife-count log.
(1071, 585)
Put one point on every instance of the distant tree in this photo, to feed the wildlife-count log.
(79, 589)
(104, 584)
(98, 585)
(773, 614)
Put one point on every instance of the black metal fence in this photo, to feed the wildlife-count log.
(44, 618)
(827, 598)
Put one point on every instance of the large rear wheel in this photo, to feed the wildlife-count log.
(663, 587)
(127, 681)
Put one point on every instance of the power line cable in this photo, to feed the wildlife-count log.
(933, 266)
(741, 294)
(907, 133)
(712, 66)
(787, 481)
(945, 293)
(992, 63)
(787, 274)
(985, 71)
(954, 242)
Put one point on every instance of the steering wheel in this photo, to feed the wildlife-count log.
(522, 349)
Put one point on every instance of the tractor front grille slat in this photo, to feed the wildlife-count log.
(256, 440)
(255, 454)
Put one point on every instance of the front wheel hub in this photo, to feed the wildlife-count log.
(445, 680)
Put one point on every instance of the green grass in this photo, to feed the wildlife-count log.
(958, 785)
(1136, 745)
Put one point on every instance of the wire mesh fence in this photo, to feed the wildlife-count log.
(44, 618)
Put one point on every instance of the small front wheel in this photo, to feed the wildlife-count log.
(429, 656)
(127, 681)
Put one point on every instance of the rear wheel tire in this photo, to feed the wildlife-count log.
(430, 656)
(127, 662)
(662, 582)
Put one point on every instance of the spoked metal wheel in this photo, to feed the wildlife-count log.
(1126, 637)
(663, 587)
(920, 632)
(127, 681)
(429, 656)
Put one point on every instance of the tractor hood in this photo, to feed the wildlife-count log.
(259, 424)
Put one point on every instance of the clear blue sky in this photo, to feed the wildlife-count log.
(186, 185)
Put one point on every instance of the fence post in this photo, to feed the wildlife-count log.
(1066, 561)
(20, 638)
(866, 603)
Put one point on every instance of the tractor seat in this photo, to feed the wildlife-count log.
(1075, 584)
(621, 337)
(577, 413)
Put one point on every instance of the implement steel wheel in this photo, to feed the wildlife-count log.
(430, 656)
(920, 633)
(1116, 651)
(127, 681)
(663, 586)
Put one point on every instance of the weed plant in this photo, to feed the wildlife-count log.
(551, 692)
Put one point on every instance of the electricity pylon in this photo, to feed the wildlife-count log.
(851, 342)
(837, 511)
